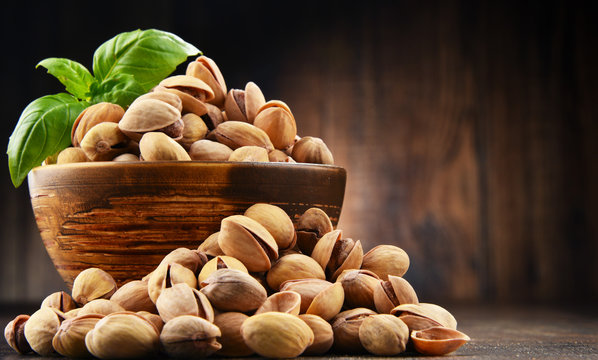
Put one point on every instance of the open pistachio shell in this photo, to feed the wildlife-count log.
(166, 275)
(318, 297)
(167, 97)
(92, 283)
(437, 341)
(157, 146)
(14, 333)
(180, 299)
(284, 301)
(311, 226)
(210, 245)
(206, 69)
(276, 221)
(422, 315)
(69, 341)
(392, 293)
(359, 288)
(148, 115)
(233, 290)
(93, 115)
(335, 254)
(217, 263)
(40, 329)
(293, 266)
(346, 330)
(190, 337)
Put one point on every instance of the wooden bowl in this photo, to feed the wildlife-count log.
(124, 217)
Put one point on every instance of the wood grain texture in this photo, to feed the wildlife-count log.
(124, 218)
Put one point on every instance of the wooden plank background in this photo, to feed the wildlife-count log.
(468, 130)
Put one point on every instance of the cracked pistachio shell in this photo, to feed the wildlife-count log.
(41, 328)
(134, 296)
(91, 284)
(104, 141)
(59, 300)
(157, 146)
(323, 334)
(210, 245)
(235, 134)
(231, 339)
(71, 155)
(249, 154)
(167, 275)
(276, 119)
(284, 301)
(311, 226)
(69, 341)
(277, 335)
(346, 330)
(384, 334)
(247, 240)
(193, 92)
(392, 293)
(180, 299)
(149, 115)
(318, 297)
(276, 221)
(213, 117)
(313, 150)
(100, 306)
(291, 267)
(335, 254)
(93, 115)
(14, 333)
(233, 290)
(193, 260)
(217, 263)
(438, 341)
(167, 97)
(386, 260)
(194, 129)
(190, 337)
(423, 315)
(209, 150)
(359, 288)
(123, 335)
(243, 105)
(206, 69)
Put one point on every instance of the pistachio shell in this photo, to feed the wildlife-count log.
(206, 69)
(134, 296)
(40, 329)
(323, 334)
(277, 335)
(384, 334)
(276, 119)
(293, 266)
(276, 221)
(231, 339)
(249, 154)
(168, 274)
(431, 313)
(233, 290)
(359, 286)
(93, 115)
(126, 157)
(194, 129)
(180, 299)
(157, 146)
(210, 245)
(209, 150)
(311, 226)
(190, 337)
(71, 155)
(284, 301)
(167, 97)
(386, 260)
(91, 284)
(438, 341)
(213, 117)
(69, 341)
(190, 85)
(346, 330)
(336, 254)
(59, 300)
(394, 292)
(220, 262)
(148, 115)
(104, 141)
(312, 150)
(318, 297)
(101, 307)
(235, 134)
(279, 156)
(14, 333)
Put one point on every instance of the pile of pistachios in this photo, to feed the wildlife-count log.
(193, 117)
(261, 285)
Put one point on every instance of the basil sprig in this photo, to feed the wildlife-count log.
(124, 67)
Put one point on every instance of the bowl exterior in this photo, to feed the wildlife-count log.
(124, 217)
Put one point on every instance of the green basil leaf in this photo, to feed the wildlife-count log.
(121, 89)
(149, 56)
(71, 74)
(44, 128)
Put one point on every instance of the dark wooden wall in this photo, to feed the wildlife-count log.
(468, 130)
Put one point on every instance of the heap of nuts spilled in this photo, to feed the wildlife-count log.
(193, 117)
(261, 285)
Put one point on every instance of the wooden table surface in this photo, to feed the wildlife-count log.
(557, 332)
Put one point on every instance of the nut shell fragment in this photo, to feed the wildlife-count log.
(437, 341)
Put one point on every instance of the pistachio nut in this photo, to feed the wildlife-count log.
(213, 117)
(192, 91)
(104, 141)
(276, 119)
(235, 134)
(438, 341)
(40, 329)
(71, 155)
(392, 293)
(93, 115)
(14, 333)
(233, 290)
(346, 330)
(359, 288)
(210, 245)
(311, 226)
(101, 307)
(284, 301)
(59, 300)
(386, 260)
(424, 315)
(167, 97)
(180, 299)
(279, 156)
(384, 334)
(277, 335)
(134, 296)
(217, 263)
(91, 284)
(157, 146)
(209, 150)
(312, 150)
(151, 115)
(248, 241)
(69, 341)
(291, 267)
(206, 69)
(155, 319)
(126, 157)
(335, 254)
(243, 105)
(194, 129)
(167, 275)
(323, 334)
(249, 154)
(193, 260)
(318, 297)
(190, 337)
(276, 221)
(123, 335)
(231, 339)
